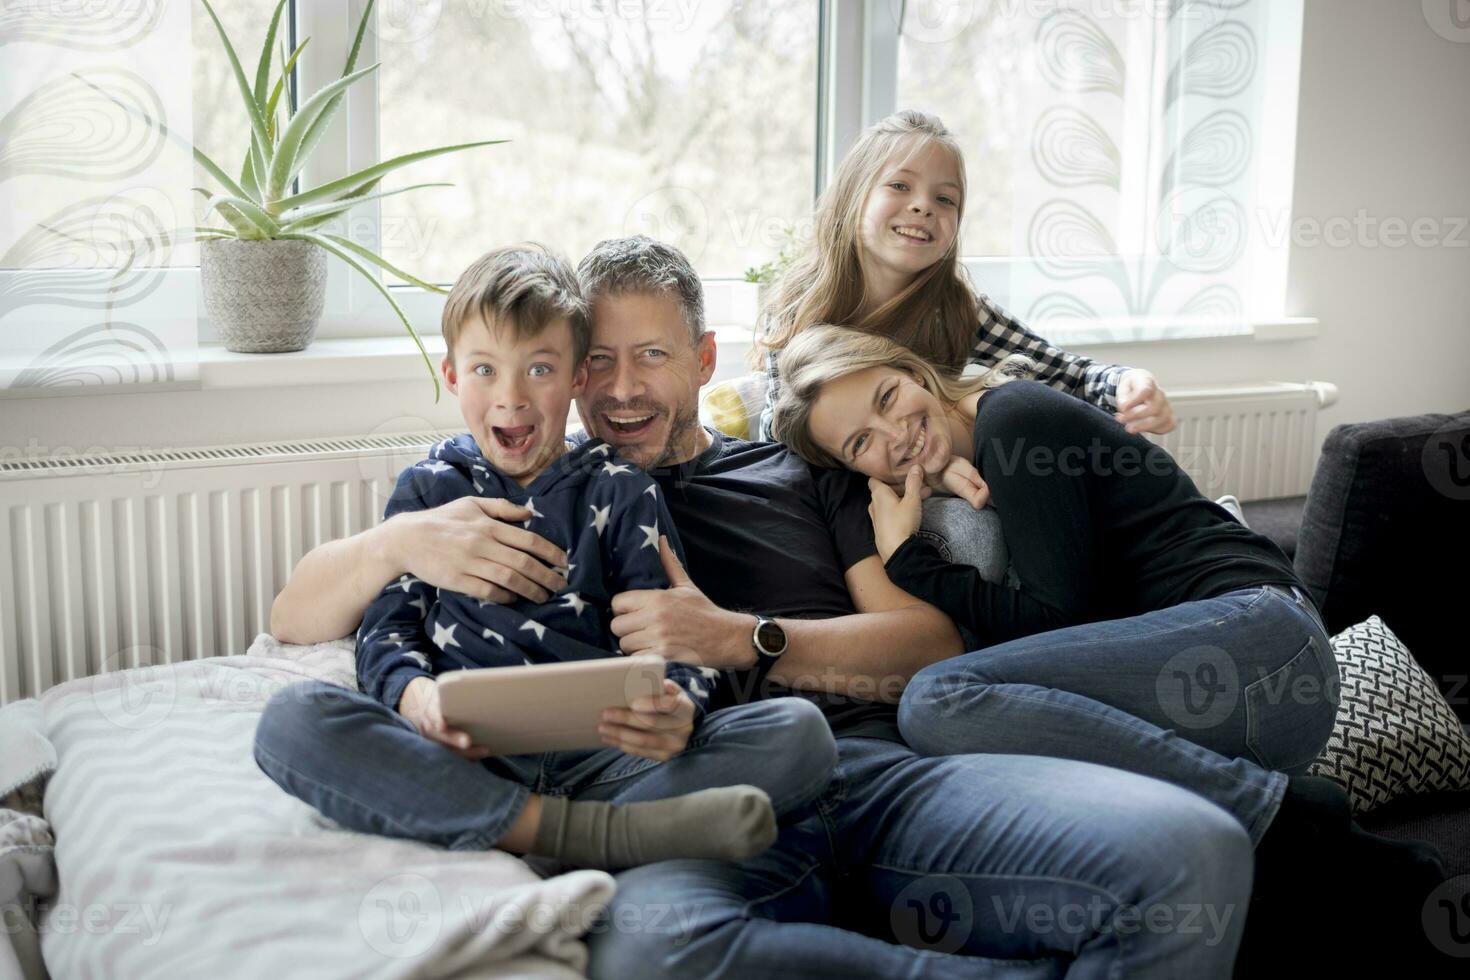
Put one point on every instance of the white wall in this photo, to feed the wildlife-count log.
(1383, 129)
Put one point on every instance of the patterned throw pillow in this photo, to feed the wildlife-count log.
(1395, 734)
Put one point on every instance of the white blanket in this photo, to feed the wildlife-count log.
(178, 857)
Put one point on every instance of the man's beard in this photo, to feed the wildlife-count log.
(682, 423)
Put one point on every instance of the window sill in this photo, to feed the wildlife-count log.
(1137, 331)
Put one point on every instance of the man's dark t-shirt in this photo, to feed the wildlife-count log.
(767, 533)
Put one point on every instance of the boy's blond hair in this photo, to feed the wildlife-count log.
(523, 288)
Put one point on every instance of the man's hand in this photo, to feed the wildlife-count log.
(681, 623)
(895, 518)
(653, 727)
(469, 546)
(963, 480)
(1142, 404)
(420, 705)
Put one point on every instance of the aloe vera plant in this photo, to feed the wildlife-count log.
(260, 205)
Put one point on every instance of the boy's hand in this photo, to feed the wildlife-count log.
(895, 518)
(471, 545)
(420, 705)
(963, 480)
(1142, 404)
(653, 727)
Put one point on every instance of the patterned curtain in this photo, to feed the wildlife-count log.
(1144, 194)
(97, 285)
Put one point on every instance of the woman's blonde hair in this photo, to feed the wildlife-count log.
(935, 315)
(822, 354)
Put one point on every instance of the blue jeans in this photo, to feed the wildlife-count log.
(366, 767)
(1209, 695)
(957, 866)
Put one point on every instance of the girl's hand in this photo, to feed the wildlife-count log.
(895, 518)
(963, 480)
(1142, 404)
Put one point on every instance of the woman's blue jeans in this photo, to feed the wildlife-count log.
(1248, 676)
(366, 767)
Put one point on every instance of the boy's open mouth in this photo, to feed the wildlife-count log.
(630, 425)
(514, 439)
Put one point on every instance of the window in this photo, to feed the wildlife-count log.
(693, 123)
(1124, 161)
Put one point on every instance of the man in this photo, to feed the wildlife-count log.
(994, 865)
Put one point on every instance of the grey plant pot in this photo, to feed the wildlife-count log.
(264, 297)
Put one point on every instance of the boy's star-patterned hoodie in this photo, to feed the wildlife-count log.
(606, 514)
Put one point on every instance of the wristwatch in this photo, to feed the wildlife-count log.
(769, 640)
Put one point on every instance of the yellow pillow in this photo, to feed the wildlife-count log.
(734, 406)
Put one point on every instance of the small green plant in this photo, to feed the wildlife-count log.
(768, 272)
(260, 206)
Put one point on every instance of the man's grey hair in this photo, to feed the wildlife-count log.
(640, 264)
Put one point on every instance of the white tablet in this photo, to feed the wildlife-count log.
(545, 707)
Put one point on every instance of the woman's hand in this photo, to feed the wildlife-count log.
(895, 518)
(653, 727)
(420, 705)
(963, 480)
(470, 545)
(1142, 404)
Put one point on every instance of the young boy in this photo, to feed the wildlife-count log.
(517, 332)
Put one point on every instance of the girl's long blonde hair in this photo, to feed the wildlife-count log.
(935, 315)
(823, 353)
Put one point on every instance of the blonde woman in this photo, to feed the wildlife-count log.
(884, 258)
(1143, 606)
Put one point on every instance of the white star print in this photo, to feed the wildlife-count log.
(444, 636)
(490, 634)
(613, 469)
(601, 450)
(531, 506)
(408, 581)
(710, 672)
(436, 466)
(534, 627)
(652, 490)
(574, 602)
(599, 517)
(651, 536)
(478, 488)
(417, 658)
(422, 606)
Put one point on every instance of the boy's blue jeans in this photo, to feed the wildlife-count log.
(366, 767)
(1210, 695)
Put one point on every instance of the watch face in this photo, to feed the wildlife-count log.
(771, 637)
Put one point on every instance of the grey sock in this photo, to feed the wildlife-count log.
(730, 823)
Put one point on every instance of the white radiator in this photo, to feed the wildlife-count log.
(112, 562)
(124, 561)
(1258, 442)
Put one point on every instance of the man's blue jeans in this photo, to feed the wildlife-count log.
(366, 767)
(955, 866)
(1208, 695)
